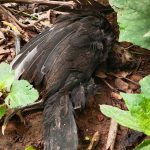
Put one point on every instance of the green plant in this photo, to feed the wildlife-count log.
(14, 93)
(137, 116)
(134, 26)
(133, 20)
(145, 145)
(30, 148)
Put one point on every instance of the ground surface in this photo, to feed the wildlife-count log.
(18, 135)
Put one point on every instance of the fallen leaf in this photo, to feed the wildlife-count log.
(136, 77)
(121, 85)
(116, 95)
(133, 86)
(101, 75)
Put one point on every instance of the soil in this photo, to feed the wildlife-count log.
(18, 135)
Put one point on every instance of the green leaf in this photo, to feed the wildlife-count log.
(145, 86)
(30, 148)
(3, 110)
(132, 100)
(134, 21)
(137, 104)
(7, 76)
(139, 122)
(145, 145)
(122, 117)
(138, 116)
(21, 94)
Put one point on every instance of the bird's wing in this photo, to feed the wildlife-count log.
(37, 45)
(72, 43)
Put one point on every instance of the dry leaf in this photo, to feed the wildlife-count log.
(101, 75)
(2, 51)
(116, 95)
(136, 77)
(133, 86)
(121, 85)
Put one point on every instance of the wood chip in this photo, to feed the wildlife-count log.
(112, 135)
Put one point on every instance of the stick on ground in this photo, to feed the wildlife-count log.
(69, 4)
(112, 135)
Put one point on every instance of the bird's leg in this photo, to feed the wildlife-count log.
(18, 111)
(80, 89)
(81, 94)
(37, 105)
(78, 97)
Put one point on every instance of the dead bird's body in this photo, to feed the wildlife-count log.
(59, 60)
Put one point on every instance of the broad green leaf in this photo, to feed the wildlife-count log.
(138, 116)
(139, 108)
(132, 100)
(134, 21)
(7, 76)
(30, 148)
(137, 104)
(21, 94)
(137, 122)
(145, 145)
(3, 110)
(122, 117)
(145, 86)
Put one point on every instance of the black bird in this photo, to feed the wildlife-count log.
(59, 60)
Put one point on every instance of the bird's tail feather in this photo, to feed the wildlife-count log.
(60, 131)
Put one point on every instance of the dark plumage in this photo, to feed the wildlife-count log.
(60, 60)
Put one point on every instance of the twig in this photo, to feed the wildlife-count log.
(94, 141)
(11, 18)
(33, 24)
(111, 87)
(121, 77)
(138, 65)
(126, 48)
(36, 105)
(60, 12)
(15, 35)
(112, 135)
(23, 13)
(8, 14)
(69, 4)
(2, 37)
(131, 81)
(16, 21)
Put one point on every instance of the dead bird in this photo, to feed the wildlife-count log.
(58, 62)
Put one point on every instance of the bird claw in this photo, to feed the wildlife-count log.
(18, 111)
